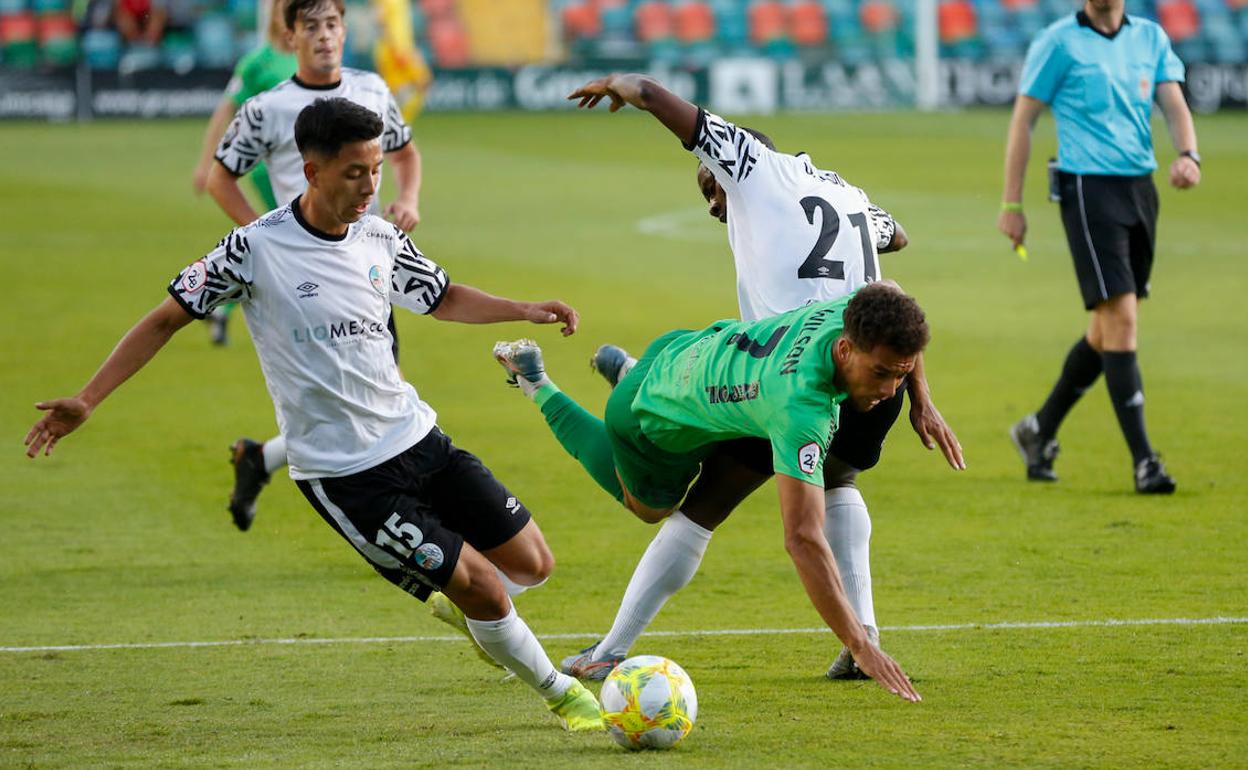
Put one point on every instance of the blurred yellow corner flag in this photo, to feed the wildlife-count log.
(398, 60)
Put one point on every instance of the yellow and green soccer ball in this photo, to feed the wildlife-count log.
(648, 702)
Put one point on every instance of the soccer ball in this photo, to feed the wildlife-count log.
(648, 702)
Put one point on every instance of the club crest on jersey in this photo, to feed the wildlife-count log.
(194, 278)
(374, 277)
(428, 556)
(808, 457)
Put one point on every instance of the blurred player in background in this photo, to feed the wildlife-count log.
(798, 235)
(263, 131)
(365, 449)
(258, 71)
(1100, 70)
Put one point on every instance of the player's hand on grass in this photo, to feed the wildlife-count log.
(1184, 173)
(935, 432)
(622, 89)
(876, 664)
(554, 311)
(1014, 225)
(405, 215)
(63, 416)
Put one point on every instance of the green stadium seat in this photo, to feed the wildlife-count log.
(214, 41)
(58, 39)
(101, 49)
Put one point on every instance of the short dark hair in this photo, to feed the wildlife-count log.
(760, 136)
(883, 314)
(325, 125)
(296, 7)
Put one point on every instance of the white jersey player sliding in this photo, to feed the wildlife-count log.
(316, 279)
(798, 235)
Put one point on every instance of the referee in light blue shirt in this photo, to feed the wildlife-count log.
(1100, 70)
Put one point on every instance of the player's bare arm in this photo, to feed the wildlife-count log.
(224, 189)
(404, 211)
(644, 93)
(1012, 222)
(467, 304)
(900, 239)
(1184, 171)
(217, 124)
(927, 420)
(802, 509)
(140, 344)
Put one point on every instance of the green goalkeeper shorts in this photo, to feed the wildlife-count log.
(652, 475)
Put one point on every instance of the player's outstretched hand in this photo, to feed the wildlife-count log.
(554, 311)
(876, 664)
(63, 416)
(1014, 225)
(1184, 173)
(935, 432)
(622, 89)
(404, 215)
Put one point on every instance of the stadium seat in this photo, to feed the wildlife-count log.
(8, 7)
(101, 49)
(1179, 18)
(58, 39)
(808, 24)
(580, 20)
(653, 21)
(732, 29)
(437, 9)
(766, 21)
(49, 6)
(449, 43)
(214, 41)
(878, 16)
(18, 45)
(177, 51)
(957, 22)
(694, 22)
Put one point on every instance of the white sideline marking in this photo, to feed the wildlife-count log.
(703, 632)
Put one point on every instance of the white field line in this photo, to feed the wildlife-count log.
(704, 632)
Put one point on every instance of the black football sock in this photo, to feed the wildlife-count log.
(1126, 391)
(1082, 367)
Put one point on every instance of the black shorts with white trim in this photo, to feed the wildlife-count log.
(1111, 226)
(410, 516)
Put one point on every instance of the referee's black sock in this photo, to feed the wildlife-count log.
(1126, 391)
(1082, 367)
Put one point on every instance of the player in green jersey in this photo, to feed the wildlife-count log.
(781, 378)
(258, 71)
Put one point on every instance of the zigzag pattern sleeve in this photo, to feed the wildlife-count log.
(882, 224)
(396, 133)
(218, 278)
(243, 145)
(416, 282)
(731, 153)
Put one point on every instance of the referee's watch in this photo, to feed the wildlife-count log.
(1195, 156)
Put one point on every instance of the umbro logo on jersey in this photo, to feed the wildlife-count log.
(307, 289)
(513, 505)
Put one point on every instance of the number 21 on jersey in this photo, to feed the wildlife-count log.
(817, 264)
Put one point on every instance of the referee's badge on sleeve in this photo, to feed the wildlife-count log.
(808, 457)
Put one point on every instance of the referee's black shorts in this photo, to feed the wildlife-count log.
(1111, 225)
(411, 515)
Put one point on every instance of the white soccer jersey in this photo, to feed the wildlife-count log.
(798, 234)
(263, 131)
(316, 307)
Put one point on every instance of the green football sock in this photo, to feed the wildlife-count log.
(582, 435)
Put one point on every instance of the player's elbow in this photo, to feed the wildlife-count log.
(899, 241)
(219, 181)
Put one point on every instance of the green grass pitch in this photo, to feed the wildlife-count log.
(122, 536)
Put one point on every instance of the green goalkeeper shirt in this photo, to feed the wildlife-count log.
(770, 378)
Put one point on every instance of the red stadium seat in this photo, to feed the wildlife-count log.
(694, 22)
(877, 16)
(767, 21)
(957, 21)
(1015, 5)
(581, 20)
(436, 9)
(808, 24)
(449, 43)
(1179, 18)
(653, 20)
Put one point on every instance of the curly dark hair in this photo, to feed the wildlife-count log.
(883, 314)
(296, 7)
(325, 125)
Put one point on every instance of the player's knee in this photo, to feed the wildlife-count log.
(484, 598)
(535, 568)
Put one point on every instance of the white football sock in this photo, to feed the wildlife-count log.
(667, 566)
(513, 588)
(848, 530)
(510, 642)
(274, 451)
